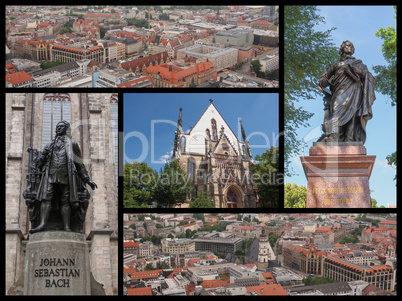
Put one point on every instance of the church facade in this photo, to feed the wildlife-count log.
(216, 161)
(31, 119)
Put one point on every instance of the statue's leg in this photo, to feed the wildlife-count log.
(65, 206)
(348, 131)
(45, 208)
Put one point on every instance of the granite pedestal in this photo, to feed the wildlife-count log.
(338, 175)
(57, 263)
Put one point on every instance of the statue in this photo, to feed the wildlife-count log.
(347, 104)
(56, 195)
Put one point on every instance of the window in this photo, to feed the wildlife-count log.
(191, 169)
(56, 107)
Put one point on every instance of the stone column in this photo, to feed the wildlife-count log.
(15, 131)
(102, 220)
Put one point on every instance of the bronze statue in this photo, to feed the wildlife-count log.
(61, 188)
(347, 104)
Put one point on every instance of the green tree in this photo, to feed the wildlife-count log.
(172, 185)
(308, 52)
(138, 182)
(295, 196)
(386, 75)
(267, 178)
(164, 16)
(374, 204)
(202, 201)
(255, 66)
(317, 280)
(272, 239)
(47, 65)
(349, 239)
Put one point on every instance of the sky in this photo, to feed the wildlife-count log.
(150, 121)
(359, 24)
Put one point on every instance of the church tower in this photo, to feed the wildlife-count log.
(265, 252)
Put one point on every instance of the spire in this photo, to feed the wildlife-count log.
(176, 148)
(179, 122)
(243, 134)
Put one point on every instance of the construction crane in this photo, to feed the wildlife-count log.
(149, 18)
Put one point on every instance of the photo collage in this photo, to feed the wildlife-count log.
(260, 161)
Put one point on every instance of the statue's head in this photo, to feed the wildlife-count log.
(63, 128)
(346, 48)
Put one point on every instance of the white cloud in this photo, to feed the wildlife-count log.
(166, 157)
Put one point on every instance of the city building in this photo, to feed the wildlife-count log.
(236, 37)
(381, 276)
(218, 242)
(222, 58)
(181, 73)
(19, 79)
(67, 54)
(177, 245)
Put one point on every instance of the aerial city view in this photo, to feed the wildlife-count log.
(256, 185)
(229, 254)
(142, 46)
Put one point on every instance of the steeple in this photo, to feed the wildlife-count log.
(243, 133)
(176, 148)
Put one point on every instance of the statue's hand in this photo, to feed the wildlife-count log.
(76, 205)
(92, 184)
(323, 82)
(356, 70)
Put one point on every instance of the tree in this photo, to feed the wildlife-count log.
(272, 239)
(255, 66)
(138, 182)
(266, 177)
(386, 75)
(317, 280)
(172, 185)
(308, 52)
(374, 204)
(295, 196)
(202, 201)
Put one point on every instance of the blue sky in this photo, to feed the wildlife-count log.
(150, 121)
(359, 24)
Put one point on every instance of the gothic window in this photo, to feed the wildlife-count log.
(208, 134)
(182, 145)
(214, 130)
(56, 107)
(191, 169)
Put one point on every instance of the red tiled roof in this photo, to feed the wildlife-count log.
(18, 77)
(140, 291)
(268, 290)
(131, 244)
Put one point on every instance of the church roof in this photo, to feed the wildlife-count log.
(196, 137)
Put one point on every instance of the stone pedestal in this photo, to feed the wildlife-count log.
(338, 175)
(57, 263)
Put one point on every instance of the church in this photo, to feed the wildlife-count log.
(31, 119)
(216, 161)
